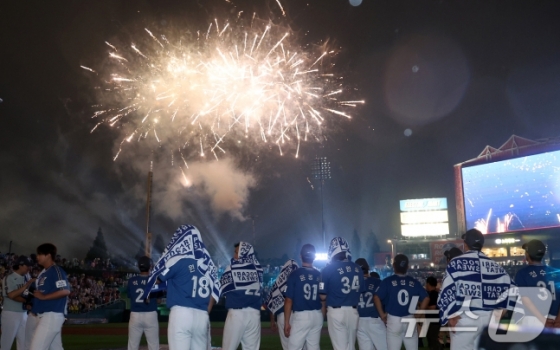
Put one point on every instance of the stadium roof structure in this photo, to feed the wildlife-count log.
(515, 146)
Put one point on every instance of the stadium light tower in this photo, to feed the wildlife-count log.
(148, 245)
(321, 170)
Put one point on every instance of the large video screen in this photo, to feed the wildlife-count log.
(513, 195)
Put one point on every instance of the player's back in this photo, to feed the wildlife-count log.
(303, 289)
(366, 308)
(135, 291)
(397, 292)
(342, 282)
(544, 277)
(186, 286)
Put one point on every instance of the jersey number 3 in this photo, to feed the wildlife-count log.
(346, 287)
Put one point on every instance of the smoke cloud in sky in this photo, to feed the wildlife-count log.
(221, 187)
(225, 186)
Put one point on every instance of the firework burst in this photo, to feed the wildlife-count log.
(227, 82)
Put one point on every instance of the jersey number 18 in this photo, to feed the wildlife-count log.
(201, 286)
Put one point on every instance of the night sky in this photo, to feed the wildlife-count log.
(459, 74)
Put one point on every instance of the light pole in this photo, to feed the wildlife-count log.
(321, 170)
(392, 250)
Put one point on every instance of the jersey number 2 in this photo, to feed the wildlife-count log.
(140, 292)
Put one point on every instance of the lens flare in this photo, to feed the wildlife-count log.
(251, 84)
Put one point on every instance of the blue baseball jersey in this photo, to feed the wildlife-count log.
(186, 286)
(49, 281)
(242, 298)
(342, 282)
(396, 293)
(135, 290)
(543, 277)
(303, 289)
(366, 307)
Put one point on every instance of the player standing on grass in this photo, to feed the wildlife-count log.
(303, 309)
(469, 294)
(372, 332)
(49, 306)
(393, 300)
(275, 301)
(342, 282)
(192, 288)
(14, 313)
(241, 284)
(538, 275)
(143, 315)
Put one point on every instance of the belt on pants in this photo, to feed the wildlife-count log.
(338, 307)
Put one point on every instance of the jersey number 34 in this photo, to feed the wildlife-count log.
(346, 287)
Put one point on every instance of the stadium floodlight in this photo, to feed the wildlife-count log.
(321, 257)
(321, 170)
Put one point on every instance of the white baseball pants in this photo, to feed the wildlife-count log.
(468, 340)
(47, 327)
(242, 326)
(13, 327)
(343, 325)
(188, 328)
(143, 322)
(306, 330)
(280, 322)
(372, 334)
(396, 331)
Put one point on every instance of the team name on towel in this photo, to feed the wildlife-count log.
(245, 276)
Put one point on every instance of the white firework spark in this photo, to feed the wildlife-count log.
(230, 81)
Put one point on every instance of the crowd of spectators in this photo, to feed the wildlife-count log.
(94, 283)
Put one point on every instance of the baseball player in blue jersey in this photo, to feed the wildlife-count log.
(342, 282)
(539, 275)
(143, 315)
(241, 284)
(372, 332)
(192, 289)
(49, 306)
(275, 301)
(393, 300)
(474, 286)
(303, 308)
(14, 313)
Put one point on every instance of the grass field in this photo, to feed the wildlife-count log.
(114, 336)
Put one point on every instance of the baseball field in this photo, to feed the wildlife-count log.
(114, 336)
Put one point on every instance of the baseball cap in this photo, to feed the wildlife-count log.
(401, 260)
(535, 248)
(144, 263)
(23, 260)
(474, 239)
(361, 262)
(452, 253)
(308, 251)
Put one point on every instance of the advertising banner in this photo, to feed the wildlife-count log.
(437, 248)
